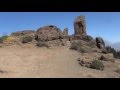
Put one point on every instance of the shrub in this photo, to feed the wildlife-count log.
(88, 38)
(97, 64)
(75, 45)
(10, 39)
(27, 39)
(80, 47)
(3, 38)
(85, 49)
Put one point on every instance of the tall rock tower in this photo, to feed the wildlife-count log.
(80, 26)
(65, 32)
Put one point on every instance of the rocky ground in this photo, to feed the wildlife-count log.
(28, 61)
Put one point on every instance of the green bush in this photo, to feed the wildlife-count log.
(97, 64)
(88, 38)
(27, 39)
(80, 47)
(3, 38)
(75, 46)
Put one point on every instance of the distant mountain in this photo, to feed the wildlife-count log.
(116, 45)
(107, 43)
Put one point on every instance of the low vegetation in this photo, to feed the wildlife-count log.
(3, 38)
(80, 47)
(97, 64)
(10, 39)
(75, 46)
(7, 39)
(88, 38)
(27, 39)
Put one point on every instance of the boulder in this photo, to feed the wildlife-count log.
(48, 33)
(84, 63)
(100, 40)
(107, 57)
(100, 43)
(100, 46)
(50, 36)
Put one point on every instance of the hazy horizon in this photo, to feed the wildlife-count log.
(103, 24)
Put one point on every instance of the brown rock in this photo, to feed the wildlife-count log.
(65, 32)
(48, 33)
(100, 43)
(107, 57)
(100, 46)
(100, 40)
(42, 44)
(84, 63)
(25, 32)
(63, 42)
(80, 25)
(77, 37)
(52, 43)
(68, 38)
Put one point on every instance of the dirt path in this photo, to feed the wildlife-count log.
(57, 62)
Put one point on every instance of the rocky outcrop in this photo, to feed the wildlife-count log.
(100, 43)
(50, 36)
(21, 34)
(107, 57)
(52, 43)
(80, 25)
(24, 32)
(100, 40)
(84, 63)
(48, 33)
(79, 28)
(65, 32)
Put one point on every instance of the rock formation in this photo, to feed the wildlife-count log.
(50, 35)
(24, 32)
(79, 28)
(65, 32)
(80, 25)
(108, 57)
(19, 35)
(100, 43)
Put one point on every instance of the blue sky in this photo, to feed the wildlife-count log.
(104, 24)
